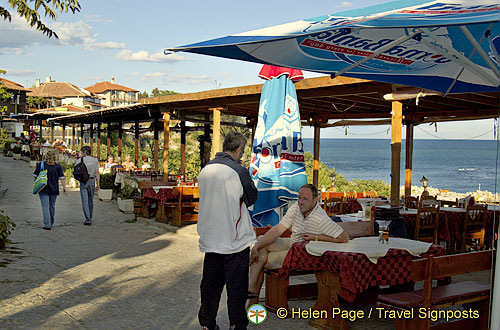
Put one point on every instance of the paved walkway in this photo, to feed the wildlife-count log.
(111, 275)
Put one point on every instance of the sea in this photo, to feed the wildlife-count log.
(456, 165)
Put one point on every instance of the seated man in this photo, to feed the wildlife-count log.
(307, 220)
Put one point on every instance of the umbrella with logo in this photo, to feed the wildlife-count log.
(450, 46)
(277, 164)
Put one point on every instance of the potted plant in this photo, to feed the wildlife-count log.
(126, 199)
(33, 160)
(16, 152)
(6, 227)
(105, 192)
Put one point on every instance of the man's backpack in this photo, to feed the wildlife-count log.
(80, 172)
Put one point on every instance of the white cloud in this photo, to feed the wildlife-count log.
(92, 45)
(20, 73)
(16, 36)
(346, 4)
(185, 78)
(144, 56)
(96, 18)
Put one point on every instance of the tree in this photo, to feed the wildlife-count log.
(158, 92)
(36, 102)
(32, 16)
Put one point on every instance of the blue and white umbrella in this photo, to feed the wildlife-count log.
(450, 46)
(277, 165)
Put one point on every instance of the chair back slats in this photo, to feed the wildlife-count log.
(426, 227)
(411, 202)
(474, 225)
(333, 206)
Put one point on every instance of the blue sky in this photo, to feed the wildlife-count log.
(124, 39)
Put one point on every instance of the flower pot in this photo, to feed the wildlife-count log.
(16, 156)
(105, 194)
(126, 205)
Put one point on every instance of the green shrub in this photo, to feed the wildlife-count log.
(106, 181)
(6, 226)
(127, 192)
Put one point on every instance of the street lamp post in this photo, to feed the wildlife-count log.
(424, 182)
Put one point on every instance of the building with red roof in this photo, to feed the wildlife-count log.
(114, 95)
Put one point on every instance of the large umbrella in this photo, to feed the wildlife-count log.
(450, 46)
(277, 164)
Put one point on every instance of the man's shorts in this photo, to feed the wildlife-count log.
(277, 252)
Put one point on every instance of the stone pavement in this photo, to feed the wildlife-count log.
(111, 275)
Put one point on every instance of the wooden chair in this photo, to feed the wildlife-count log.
(333, 206)
(411, 202)
(474, 225)
(428, 201)
(426, 226)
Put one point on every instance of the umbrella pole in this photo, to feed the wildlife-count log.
(408, 158)
(397, 116)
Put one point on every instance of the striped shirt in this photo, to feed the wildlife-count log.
(316, 223)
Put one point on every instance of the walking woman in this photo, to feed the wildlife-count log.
(48, 195)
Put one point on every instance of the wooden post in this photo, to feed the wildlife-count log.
(92, 139)
(64, 133)
(215, 132)
(206, 143)
(41, 135)
(137, 143)
(108, 140)
(73, 137)
(316, 154)
(408, 158)
(120, 136)
(166, 141)
(397, 122)
(52, 132)
(156, 123)
(99, 140)
(82, 126)
(183, 150)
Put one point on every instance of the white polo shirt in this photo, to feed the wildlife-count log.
(317, 223)
(224, 224)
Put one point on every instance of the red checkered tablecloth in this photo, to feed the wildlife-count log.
(356, 272)
(162, 195)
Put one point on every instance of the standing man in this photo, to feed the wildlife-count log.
(87, 189)
(307, 222)
(226, 233)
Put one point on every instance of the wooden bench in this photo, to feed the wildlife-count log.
(471, 295)
(148, 211)
(278, 290)
(186, 207)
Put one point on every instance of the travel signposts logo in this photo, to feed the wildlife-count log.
(257, 314)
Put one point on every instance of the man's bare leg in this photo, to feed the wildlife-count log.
(256, 278)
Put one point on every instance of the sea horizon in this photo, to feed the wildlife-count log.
(457, 165)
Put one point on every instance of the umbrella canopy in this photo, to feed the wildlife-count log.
(449, 46)
(277, 164)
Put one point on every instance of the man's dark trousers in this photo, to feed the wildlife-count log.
(230, 270)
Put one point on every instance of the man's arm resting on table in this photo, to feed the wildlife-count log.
(343, 238)
(266, 240)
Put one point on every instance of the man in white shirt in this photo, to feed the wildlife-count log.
(87, 189)
(226, 233)
(308, 222)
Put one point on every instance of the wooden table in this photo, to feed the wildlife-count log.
(347, 275)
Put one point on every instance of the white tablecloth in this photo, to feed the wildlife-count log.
(369, 246)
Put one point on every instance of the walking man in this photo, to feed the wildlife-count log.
(87, 189)
(226, 233)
